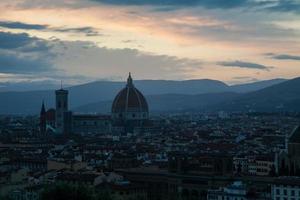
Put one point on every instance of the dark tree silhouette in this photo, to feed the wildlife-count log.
(66, 192)
(272, 171)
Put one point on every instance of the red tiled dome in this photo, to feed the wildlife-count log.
(129, 99)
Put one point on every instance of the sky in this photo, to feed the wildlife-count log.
(77, 41)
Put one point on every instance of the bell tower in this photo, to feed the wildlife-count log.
(43, 121)
(61, 109)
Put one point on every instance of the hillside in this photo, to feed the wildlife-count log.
(163, 96)
(279, 97)
(168, 102)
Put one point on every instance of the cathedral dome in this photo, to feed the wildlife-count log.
(130, 103)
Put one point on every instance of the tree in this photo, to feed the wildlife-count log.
(5, 198)
(66, 192)
(272, 171)
(104, 195)
(73, 192)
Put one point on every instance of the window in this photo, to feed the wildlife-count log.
(292, 192)
(284, 192)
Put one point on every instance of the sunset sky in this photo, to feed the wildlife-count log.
(234, 41)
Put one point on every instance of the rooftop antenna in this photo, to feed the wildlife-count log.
(61, 87)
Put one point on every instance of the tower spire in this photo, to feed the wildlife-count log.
(43, 122)
(129, 80)
(43, 110)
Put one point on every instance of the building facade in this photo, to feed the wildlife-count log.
(236, 191)
(286, 188)
(91, 124)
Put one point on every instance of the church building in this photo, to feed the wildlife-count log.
(129, 114)
(289, 159)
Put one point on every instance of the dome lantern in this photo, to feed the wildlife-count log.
(129, 81)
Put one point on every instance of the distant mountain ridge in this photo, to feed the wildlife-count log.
(27, 86)
(284, 96)
(190, 94)
(250, 87)
(168, 102)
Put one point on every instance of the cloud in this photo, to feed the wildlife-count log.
(178, 3)
(284, 56)
(106, 62)
(128, 41)
(13, 62)
(88, 31)
(169, 5)
(22, 54)
(22, 42)
(14, 40)
(20, 25)
(237, 80)
(241, 77)
(285, 6)
(242, 64)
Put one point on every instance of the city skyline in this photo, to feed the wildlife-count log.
(149, 99)
(81, 41)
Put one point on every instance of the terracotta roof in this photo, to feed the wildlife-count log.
(129, 99)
